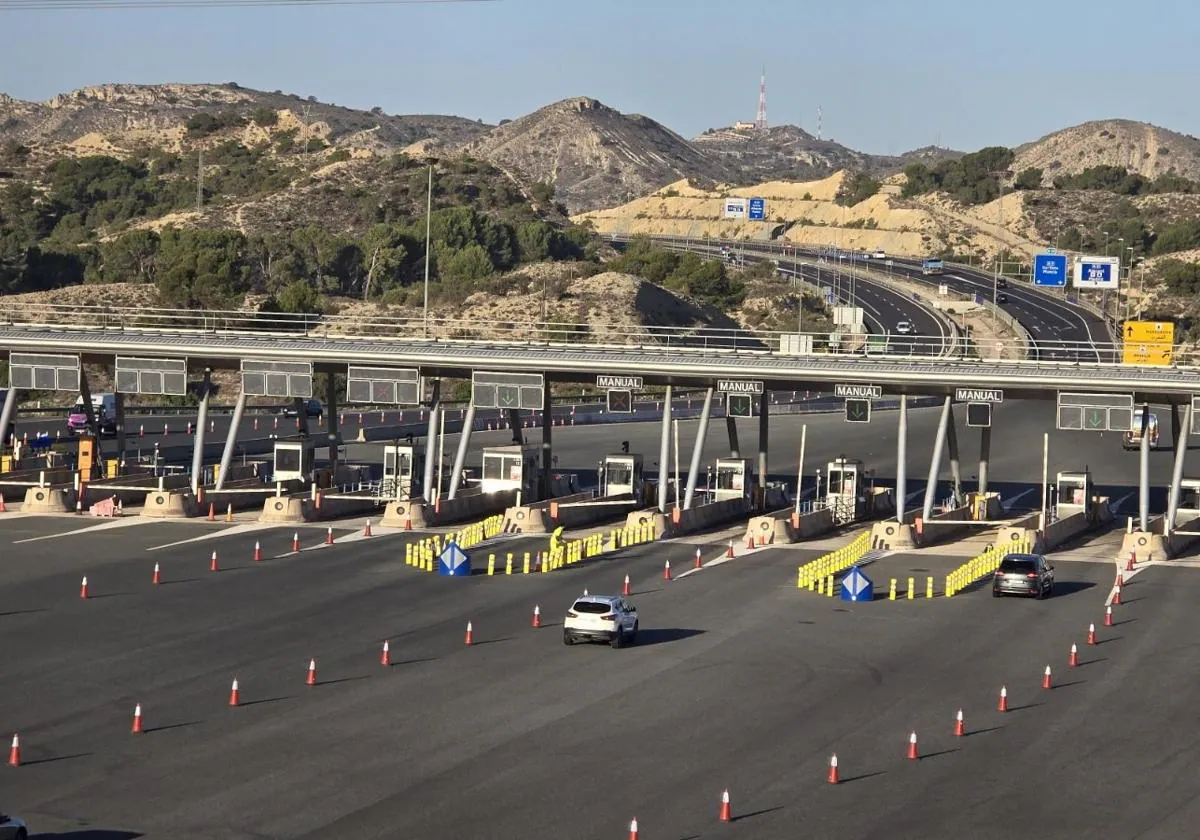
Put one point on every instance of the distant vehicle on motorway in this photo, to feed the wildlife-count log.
(879, 255)
(1133, 438)
(1001, 283)
(601, 618)
(1001, 297)
(905, 328)
(312, 408)
(1023, 574)
(12, 828)
(104, 406)
(932, 266)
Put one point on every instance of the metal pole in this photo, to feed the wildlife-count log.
(955, 467)
(901, 461)
(441, 450)
(763, 402)
(935, 463)
(800, 468)
(514, 425)
(731, 428)
(547, 430)
(428, 243)
(698, 451)
(119, 410)
(6, 413)
(676, 425)
(331, 418)
(985, 454)
(201, 423)
(1144, 471)
(1045, 480)
(435, 405)
(460, 456)
(1177, 473)
(231, 439)
(664, 453)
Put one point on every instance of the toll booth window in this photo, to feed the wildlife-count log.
(1077, 496)
(287, 460)
(835, 482)
(512, 469)
(620, 474)
(405, 465)
(729, 480)
(493, 468)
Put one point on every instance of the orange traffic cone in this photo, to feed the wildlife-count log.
(367, 529)
(407, 524)
(833, 769)
(1091, 636)
(212, 512)
(1108, 617)
(470, 633)
(625, 590)
(1129, 561)
(156, 578)
(726, 814)
(1003, 705)
(1073, 659)
(1116, 600)
(137, 719)
(311, 679)
(960, 728)
(295, 542)
(633, 829)
(699, 562)
(913, 753)
(3, 509)
(385, 656)
(234, 698)
(257, 552)
(83, 588)
(1046, 682)
(537, 616)
(229, 512)
(212, 564)
(329, 536)
(667, 570)
(729, 551)
(14, 752)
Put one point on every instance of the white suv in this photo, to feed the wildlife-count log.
(604, 618)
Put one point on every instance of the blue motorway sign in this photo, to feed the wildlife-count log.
(1097, 272)
(758, 209)
(1050, 270)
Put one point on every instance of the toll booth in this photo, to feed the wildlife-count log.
(293, 460)
(1189, 495)
(403, 471)
(512, 467)
(845, 488)
(1074, 493)
(622, 475)
(734, 479)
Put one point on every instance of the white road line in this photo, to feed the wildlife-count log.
(1012, 500)
(1116, 507)
(245, 528)
(113, 523)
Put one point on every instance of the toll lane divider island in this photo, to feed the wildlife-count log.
(818, 575)
(980, 567)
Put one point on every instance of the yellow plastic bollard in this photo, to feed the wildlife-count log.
(820, 586)
(912, 589)
(408, 554)
(929, 587)
(491, 565)
(525, 568)
(892, 590)
(799, 578)
(508, 563)
(829, 586)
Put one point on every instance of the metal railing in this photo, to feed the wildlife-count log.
(445, 332)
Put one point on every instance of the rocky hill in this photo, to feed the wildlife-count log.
(1138, 147)
(780, 153)
(594, 155)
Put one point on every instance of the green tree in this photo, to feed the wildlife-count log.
(130, 258)
(299, 297)
(1028, 179)
(858, 187)
(202, 268)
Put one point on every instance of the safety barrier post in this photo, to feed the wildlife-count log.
(912, 588)
(508, 564)
(929, 587)
(892, 590)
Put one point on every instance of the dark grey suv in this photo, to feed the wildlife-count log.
(1023, 574)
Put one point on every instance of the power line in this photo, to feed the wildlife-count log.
(67, 5)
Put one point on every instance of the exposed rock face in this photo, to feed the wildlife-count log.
(1139, 147)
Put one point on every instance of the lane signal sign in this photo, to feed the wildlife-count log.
(979, 415)
(620, 401)
(858, 411)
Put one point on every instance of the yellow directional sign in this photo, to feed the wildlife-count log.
(1149, 332)
(1147, 354)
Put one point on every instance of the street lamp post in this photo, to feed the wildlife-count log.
(428, 243)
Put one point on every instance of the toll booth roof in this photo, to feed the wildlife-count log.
(513, 449)
(1076, 478)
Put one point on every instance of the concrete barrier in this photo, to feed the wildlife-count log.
(49, 500)
(891, 535)
(1057, 533)
(169, 504)
(677, 521)
(569, 511)
(787, 526)
(133, 489)
(317, 507)
(603, 509)
(463, 508)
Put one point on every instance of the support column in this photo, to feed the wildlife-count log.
(985, 454)
(935, 463)
(547, 426)
(331, 418)
(955, 467)
(664, 453)
(231, 440)
(1181, 439)
(698, 451)
(301, 406)
(735, 451)
(902, 460)
(460, 455)
(201, 423)
(763, 402)
(1144, 472)
(8, 410)
(1174, 424)
(514, 423)
(435, 407)
(119, 410)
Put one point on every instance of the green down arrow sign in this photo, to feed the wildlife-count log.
(858, 411)
(1096, 418)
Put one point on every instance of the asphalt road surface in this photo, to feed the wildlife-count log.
(739, 681)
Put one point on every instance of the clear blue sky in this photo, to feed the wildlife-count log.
(890, 75)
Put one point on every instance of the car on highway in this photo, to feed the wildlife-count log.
(879, 255)
(1001, 297)
(312, 408)
(1001, 283)
(601, 618)
(12, 828)
(104, 408)
(1023, 574)
(905, 328)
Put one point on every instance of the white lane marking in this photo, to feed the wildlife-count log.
(1116, 507)
(245, 528)
(114, 523)
(1012, 500)
(913, 495)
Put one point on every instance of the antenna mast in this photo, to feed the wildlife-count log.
(818, 122)
(760, 121)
